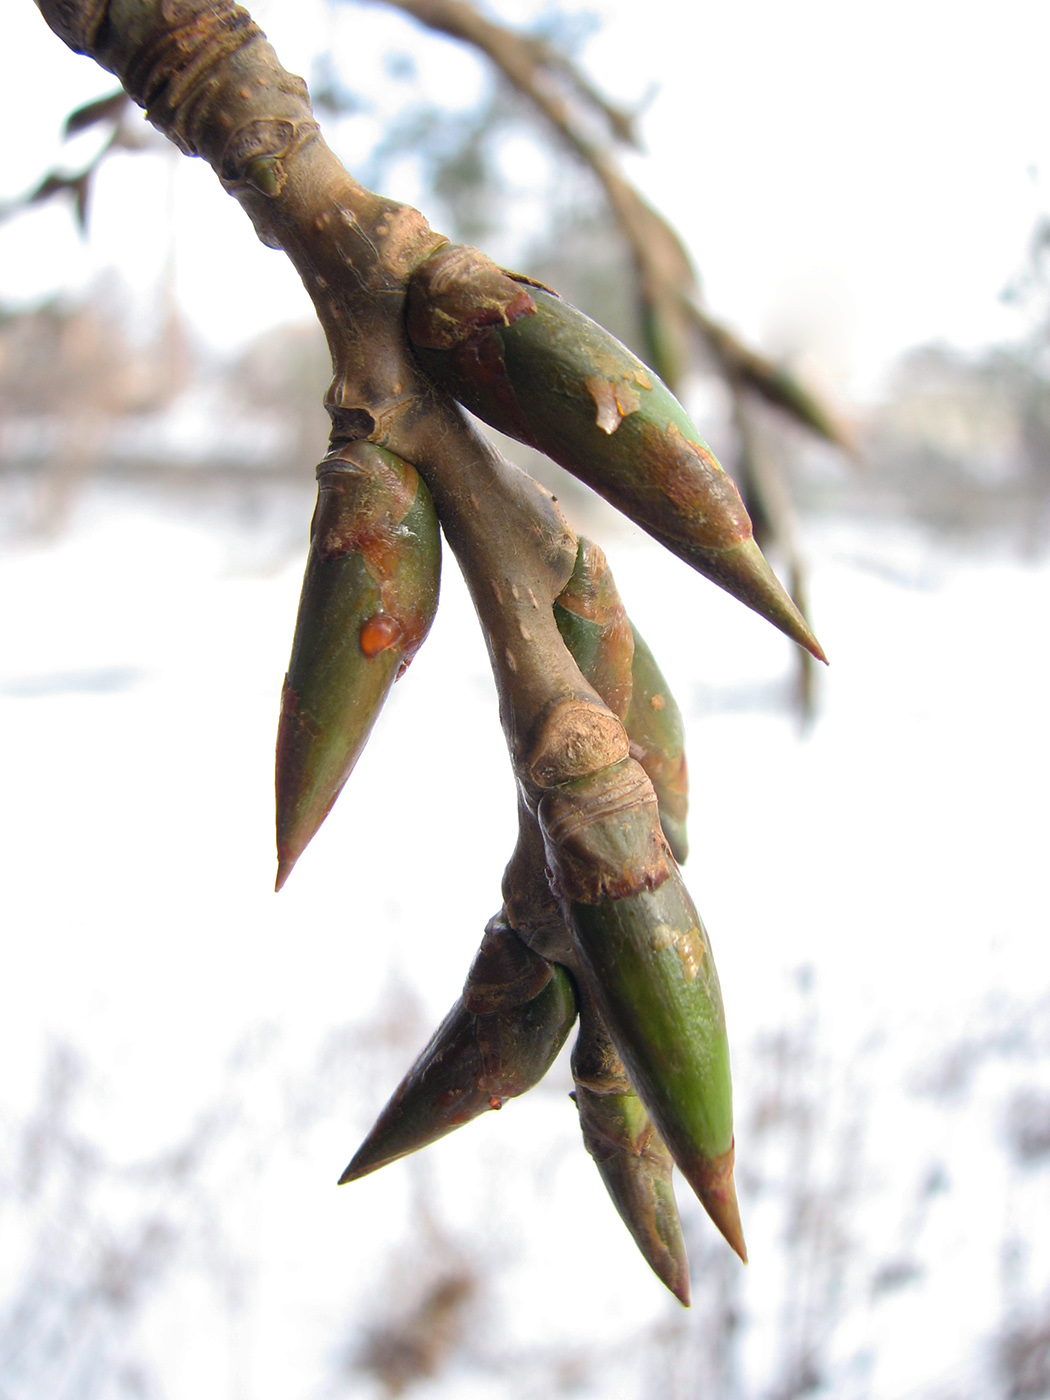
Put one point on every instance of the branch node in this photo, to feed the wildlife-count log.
(602, 836)
(458, 293)
(576, 738)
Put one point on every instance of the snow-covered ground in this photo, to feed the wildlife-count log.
(189, 1061)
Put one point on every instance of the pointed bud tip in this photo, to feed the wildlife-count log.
(303, 798)
(714, 1185)
(678, 1283)
(366, 1160)
(358, 1168)
(726, 1214)
(637, 1175)
(744, 571)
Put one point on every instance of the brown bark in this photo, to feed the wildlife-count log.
(209, 80)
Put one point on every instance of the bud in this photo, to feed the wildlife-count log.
(651, 970)
(631, 1157)
(654, 727)
(368, 600)
(595, 628)
(645, 958)
(537, 369)
(500, 1038)
(614, 659)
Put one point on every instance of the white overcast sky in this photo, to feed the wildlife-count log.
(853, 179)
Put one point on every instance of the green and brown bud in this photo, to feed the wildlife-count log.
(654, 727)
(652, 972)
(645, 957)
(368, 599)
(537, 369)
(500, 1038)
(630, 1155)
(614, 659)
(595, 628)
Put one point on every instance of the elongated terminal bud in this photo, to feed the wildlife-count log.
(645, 957)
(539, 370)
(651, 960)
(368, 600)
(500, 1038)
(630, 1155)
(616, 661)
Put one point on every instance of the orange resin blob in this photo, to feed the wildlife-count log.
(379, 634)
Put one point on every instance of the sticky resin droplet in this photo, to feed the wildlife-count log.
(379, 634)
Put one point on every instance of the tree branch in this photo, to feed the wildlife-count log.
(415, 328)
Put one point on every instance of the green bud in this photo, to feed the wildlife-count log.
(652, 973)
(500, 1038)
(616, 661)
(631, 1157)
(644, 957)
(368, 599)
(595, 628)
(537, 369)
(265, 174)
(654, 727)
(636, 1168)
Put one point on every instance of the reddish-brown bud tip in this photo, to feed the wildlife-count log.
(714, 1185)
(743, 571)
